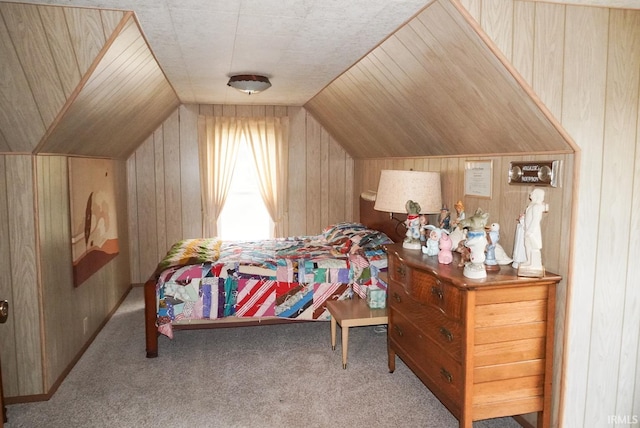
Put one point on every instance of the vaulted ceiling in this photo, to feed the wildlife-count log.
(89, 81)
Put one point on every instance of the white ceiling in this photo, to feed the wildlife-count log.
(301, 45)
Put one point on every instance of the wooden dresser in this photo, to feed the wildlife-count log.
(484, 347)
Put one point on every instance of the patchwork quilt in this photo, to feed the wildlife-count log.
(287, 277)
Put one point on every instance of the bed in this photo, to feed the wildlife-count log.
(209, 283)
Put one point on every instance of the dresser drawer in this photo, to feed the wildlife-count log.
(428, 320)
(441, 370)
(426, 288)
(398, 271)
(429, 290)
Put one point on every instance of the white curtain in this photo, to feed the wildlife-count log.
(218, 142)
(268, 139)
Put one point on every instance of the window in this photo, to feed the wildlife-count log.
(244, 216)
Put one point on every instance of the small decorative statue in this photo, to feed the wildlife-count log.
(445, 255)
(444, 219)
(460, 215)
(476, 242)
(533, 235)
(431, 247)
(412, 240)
(519, 254)
(424, 221)
(493, 236)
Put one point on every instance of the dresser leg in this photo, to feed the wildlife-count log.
(392, 360)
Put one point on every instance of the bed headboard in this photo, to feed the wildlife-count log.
(380, 220)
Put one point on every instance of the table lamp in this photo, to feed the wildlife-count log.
(396, 187)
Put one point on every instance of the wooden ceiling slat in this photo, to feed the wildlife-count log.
(59, 41)
(122, 102)
(30, 41)
(435, 88)
(20, 120)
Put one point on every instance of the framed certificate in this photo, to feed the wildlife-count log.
(478, 177)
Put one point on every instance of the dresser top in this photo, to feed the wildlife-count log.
(506, 276)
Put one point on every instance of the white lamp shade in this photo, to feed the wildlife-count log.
(397, 187)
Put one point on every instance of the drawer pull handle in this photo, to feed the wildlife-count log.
(447, 334)
(398, 330)
(397, 297)
(437, 291)
(446, 375)
(401, 271)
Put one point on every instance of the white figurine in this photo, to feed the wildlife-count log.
(519, 254)
(412, 240)
(533, 235)
(493, 236)
(432, 245)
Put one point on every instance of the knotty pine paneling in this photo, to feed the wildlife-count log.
(320, 182)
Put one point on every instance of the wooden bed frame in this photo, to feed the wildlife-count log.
(368, 216)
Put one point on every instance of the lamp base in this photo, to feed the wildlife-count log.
(412, 245)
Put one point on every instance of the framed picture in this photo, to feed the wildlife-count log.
(478, 178)
(94, 226)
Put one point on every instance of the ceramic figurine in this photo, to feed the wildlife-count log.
(444, 219)
(476, 242)
(493, 236)
(519, 254)
(412, 240)
(460, 215)
(445, 256)
(533, 235)
(431, 247)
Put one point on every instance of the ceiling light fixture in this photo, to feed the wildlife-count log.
(249, 83)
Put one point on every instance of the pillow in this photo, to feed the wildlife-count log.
(339, 233)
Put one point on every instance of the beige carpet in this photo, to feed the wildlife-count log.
(268, 376)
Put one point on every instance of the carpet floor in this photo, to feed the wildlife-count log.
(267, 376)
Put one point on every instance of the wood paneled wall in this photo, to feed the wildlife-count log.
(21, 337)
(164, 182)
(45, 50)
(44, 333)
(584, 65)
(81, 82)
(64, 306)
(504, 207)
